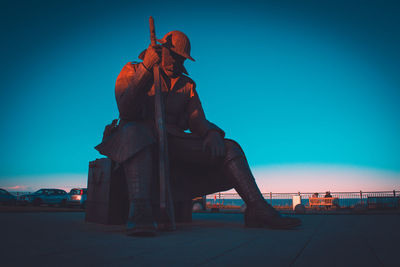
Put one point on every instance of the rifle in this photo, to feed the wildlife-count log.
(167, 214)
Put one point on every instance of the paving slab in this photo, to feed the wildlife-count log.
(64, 239)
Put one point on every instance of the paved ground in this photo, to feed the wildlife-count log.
(63, 239)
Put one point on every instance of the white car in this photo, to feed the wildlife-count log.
(45, 196)
(77, 197)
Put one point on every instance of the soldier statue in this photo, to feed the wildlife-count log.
(192, 139)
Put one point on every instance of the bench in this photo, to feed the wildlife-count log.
(323, 202)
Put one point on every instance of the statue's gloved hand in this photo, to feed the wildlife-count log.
(215, 144)
(152, 56)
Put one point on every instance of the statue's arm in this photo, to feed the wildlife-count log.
(130, 86)
(198, 123)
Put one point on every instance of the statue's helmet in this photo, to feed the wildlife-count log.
(177, 42)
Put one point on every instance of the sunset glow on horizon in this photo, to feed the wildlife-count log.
(276, 179)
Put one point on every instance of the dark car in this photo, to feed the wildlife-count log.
(6, 198)
(23, 199)
(77, 197)
(45, 196)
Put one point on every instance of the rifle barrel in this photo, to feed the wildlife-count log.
(152, 31)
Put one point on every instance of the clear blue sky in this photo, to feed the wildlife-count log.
(294, 82)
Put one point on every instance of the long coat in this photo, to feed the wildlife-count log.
(134, 93)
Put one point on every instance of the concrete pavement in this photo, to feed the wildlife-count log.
(213, 239)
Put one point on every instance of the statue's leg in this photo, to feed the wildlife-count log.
(258, 212)
(139, 172)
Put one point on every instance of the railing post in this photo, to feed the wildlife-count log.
(361, 197)
(394, 193)
(270, 198)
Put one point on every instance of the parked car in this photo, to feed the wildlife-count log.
(6, 198)
(23, 199)
(45, 196)
(199, 204)
(77, 197)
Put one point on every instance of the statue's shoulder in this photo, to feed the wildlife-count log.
(132, 65)
(189, 82)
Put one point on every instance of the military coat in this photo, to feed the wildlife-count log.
(134, 93)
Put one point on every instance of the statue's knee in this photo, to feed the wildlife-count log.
(233, 150)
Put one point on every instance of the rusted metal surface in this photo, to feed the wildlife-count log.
(167, 214)
(157, 105)
(107, 199)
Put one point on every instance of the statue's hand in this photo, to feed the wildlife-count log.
(214, 143)
(152, 56)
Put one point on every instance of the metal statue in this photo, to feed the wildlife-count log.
(158, 103)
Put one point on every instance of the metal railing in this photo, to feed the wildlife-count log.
(357, 199)
(284, 200)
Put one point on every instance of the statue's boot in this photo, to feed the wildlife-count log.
(139, 172)
(258, 212)
(140, 219)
